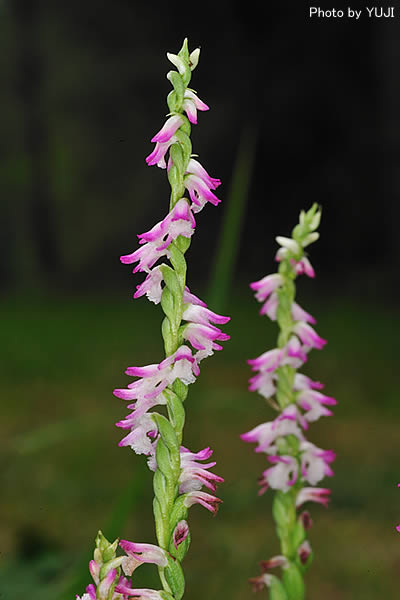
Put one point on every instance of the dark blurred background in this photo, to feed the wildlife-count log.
(83, 91)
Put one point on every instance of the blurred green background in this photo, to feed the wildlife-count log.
(300, 114)
(64, 476)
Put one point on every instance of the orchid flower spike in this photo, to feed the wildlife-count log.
(191, 332)
(295, 464)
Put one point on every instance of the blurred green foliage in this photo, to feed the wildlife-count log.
(64, 476)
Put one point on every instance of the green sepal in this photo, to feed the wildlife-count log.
(184, 51)
(184, 139)
(185, 56)
(172, 101)
(168, 304)
(163, 459)
(293, 582)
(284, 391)
(166, 595)
(102, 543)
(276, 589)
(176, 154)
(179, 263)
(185, 128)
(168, 337)
(284, 312)
(178, 513)
(182, 243)
(175, 181)
(168, 436)
(176, 412)
(105, 548)
(175, 578)
(181, 551)
(179, 87)
(114, 563)
(161, 523)
(169, 275)
(159, 485)
(298, 534)
(283, 510)
(180, 389)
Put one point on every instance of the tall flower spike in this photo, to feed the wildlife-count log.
(293, 461)
(190, 332)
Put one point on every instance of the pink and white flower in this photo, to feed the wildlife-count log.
(146, 256)
(302, 382)
(296, 354)
(308, 335)
(263, 383)
(157, 157)
(203, 338)
(313, 494)
(201, 314)
(151, 286)
(275, 561)
(147, 391)
(266, 434)
(155, 243)
(194, 474)
(315, 462)
(140, 593)
(282, 476)
(180, 221)
(304, 551)
(268, 361)
(185, 366)
(304, 266)
(181, 532)
(137, 554)
(313, 403)
(288, 244)
(155, 378)
(192, 104)
(101, 589)
(300, 266)
(140, 407)
(209, 502)
(169, 128)
(189, 298)
(143, 437)
(199, 193)
(195, 168)
(265, 286)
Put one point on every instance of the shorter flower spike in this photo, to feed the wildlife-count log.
(294, 461)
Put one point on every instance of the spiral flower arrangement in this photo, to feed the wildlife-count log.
(296, 465)
(190, 333)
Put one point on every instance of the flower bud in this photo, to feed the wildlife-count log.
(194, 58)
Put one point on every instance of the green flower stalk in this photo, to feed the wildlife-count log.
(295, 462)
(190, 334)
